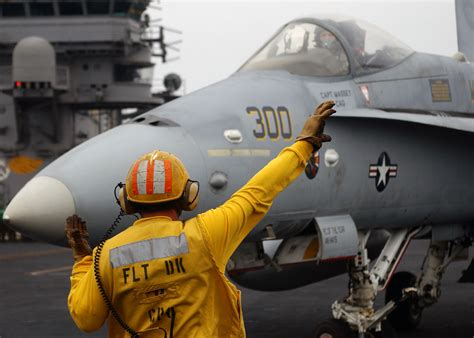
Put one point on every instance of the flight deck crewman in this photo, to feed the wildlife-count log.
(165, 277)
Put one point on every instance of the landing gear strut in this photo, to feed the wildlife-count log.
(356, 311)
(412, 294)
(406, 296)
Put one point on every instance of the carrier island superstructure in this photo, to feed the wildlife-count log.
(70, 70)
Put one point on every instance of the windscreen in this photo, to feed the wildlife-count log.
(305, 48)
(372, 48)
(302, 49)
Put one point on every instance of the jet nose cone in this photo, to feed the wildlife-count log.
(40, 209)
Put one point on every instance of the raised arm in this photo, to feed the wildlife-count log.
(228, 225)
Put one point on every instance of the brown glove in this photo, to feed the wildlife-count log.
(314, 126)
(78, 237)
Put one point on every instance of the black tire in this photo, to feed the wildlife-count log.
(407, 315)
(334, 328)
(387, 331)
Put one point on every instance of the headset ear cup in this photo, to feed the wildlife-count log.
(190, 196)
(121, 198)
(125, 203)
(193, 194)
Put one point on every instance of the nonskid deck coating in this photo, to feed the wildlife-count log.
(34, 284)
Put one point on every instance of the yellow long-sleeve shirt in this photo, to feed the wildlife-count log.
(166, 278)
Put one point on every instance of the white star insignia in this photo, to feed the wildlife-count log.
(383, 172)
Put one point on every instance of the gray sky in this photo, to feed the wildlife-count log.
(219, 36)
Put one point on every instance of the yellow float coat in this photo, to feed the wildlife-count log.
(166, 278)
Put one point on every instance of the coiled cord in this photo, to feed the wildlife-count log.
(98, 252)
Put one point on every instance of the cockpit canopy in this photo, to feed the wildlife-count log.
(329, 47)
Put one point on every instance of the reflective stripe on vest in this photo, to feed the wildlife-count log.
(149, 249)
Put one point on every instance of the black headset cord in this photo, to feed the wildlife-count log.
(98, 252)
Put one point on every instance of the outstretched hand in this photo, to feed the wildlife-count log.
(78, 237)
(313, 129)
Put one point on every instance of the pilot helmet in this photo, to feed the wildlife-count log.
(325, 39)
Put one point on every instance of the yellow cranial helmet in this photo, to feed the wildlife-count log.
(159, 177)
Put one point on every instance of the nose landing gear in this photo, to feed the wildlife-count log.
(355, 316)
(406, 295)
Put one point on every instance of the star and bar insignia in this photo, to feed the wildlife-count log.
(382, 171)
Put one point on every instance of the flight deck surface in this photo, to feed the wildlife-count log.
(34, 284)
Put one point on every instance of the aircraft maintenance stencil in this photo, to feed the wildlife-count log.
(382, 171)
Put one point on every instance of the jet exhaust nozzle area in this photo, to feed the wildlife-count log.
(40, 209)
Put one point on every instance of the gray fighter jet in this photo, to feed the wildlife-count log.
(400, 166)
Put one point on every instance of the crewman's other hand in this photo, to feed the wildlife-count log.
(78, 237)
(313, 129)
